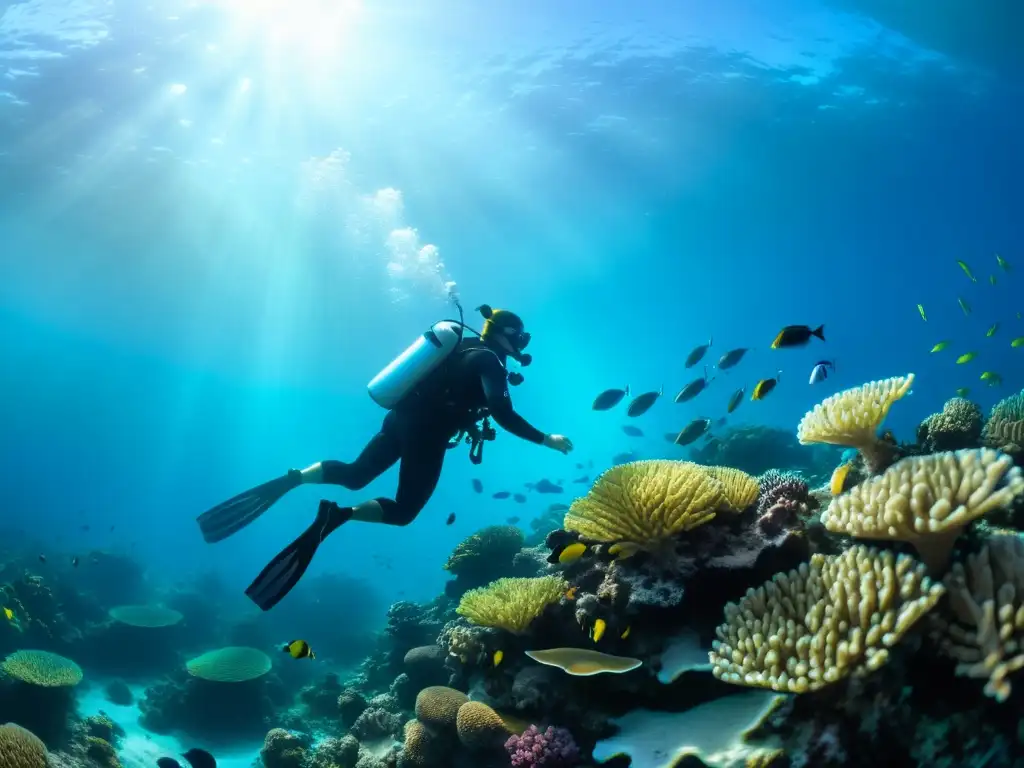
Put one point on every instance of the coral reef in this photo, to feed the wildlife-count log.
(756, 449)
(37, 692)
(956, 427)
(283, 749)
(1004, 429)
(550, 748)
(483, 557)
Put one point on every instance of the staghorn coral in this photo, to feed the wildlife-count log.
(438, 706)
(987, 605)
(927, 500)
(1005, 425)
(740, 489)
(511, 604)
(957, 426)
(835, 617)
(852, 418)
(234, 664)
(20, 748)
(550, 748)
(43, 669)
(647, 503)
(480, 728)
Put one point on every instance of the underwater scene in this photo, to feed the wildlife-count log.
(542, 384)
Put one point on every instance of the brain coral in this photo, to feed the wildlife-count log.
(416, 750)
(234, 664)
(438, 706)
(512, 603)
(42, 668)
(835, 617)
(480, 728)
(646, 502)
(149, 616)
(20, 748)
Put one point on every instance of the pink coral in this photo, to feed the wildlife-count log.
(551, 748)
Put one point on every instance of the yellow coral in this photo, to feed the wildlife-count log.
(416, 750)
(741, 490)
(438, 705)
(646, 502)
(987, 600)
(511, 603)
(480, 728)
(20, 748)
(813, 626)
(927, 500)
(42, 668)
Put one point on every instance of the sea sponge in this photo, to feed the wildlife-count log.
(1005, 425)
(42, 668)
(512, 603)
(234, 664)
(815, 625)
(480, 728)
(927, 500)
(493, 543)
(149, 616)
(852, 418)
(986, 598)
(741, 490)
(438, 706)
(646, 502)
(20, 748)
(957, 426)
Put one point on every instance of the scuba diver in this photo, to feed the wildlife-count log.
(443, 388)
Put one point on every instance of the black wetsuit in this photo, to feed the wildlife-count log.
(417, 432)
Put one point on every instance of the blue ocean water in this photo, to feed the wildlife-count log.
(218, 221)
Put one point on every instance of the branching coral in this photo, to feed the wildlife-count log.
(815, 625)
(646, 502)
(957, 426)
(740, 489)
(511, 604)
(987, 603)
(927, 501)
(852, 418)
(1005, 425)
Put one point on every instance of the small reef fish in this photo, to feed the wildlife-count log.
(1018, 342)
(623, 550)
(642, 403)
(692, 431)
(623, 458)
(609, 399)
(597, 631)
(992, 331)
(967, 271)
(42, 558)
(920, 311)
(731, 358)
(963, 391)
(518, 498)
(570, 593)
(197, 758)
(797, 336)
(735, 399)
(632, 431)
(1002, 263)
(696, 355)
(992, 279)
(451, 519)
(74, 562)
(582, 479)
(820, 371)
(993, 378)
(497, 657)
(478, 486)
(966, 357)
(501, 495)
(693, 389)
(569, 553)
(512, 520)
(8, 613)
(964, 305)
(941, 346)
(764, 386)
(625, 633)
(299, 649)
(838, 482)
(546, 486)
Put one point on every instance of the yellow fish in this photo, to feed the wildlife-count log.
(498, 656)
(964, 305)
(992, 279)
(572, 553)
(993, 379)
(9, 613)
(597, 632)
(838, 481)
(920, 311)
(940, 346)
(625, 634)
(992, 331)
(623, 549)
(1002, 262)
(963, 392)
(1018, 342)
(967, 271)
(966, 357)
(299, 649)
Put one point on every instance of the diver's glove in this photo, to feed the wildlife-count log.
(559, 443)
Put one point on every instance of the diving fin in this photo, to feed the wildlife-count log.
(237, 512)
(284, 571)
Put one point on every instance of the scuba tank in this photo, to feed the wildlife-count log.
(407, 371)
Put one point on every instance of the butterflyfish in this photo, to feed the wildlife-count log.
(299, 649)
(571, 552)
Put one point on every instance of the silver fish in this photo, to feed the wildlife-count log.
(697, 354)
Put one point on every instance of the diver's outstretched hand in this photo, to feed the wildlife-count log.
(559, 443)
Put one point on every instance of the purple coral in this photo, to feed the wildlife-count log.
(551, 748)
(784, 497)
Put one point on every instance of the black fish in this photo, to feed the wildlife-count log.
(736, 399)
(609, 399)
(693, 389)
(546, 486)
(478, 486)
(692, 431)
(623, 458)
(797, 336)
(42, 558)
(764, 386)
(697, 354)
(642, 403)
(558, 507)
(512, 520)
(582, 479)
(632, 431)
(730, 358)
(501, 495)
(518, 497)
(451, 519)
